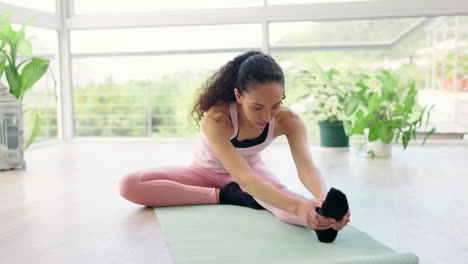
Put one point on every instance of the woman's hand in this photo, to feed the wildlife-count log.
(306, 211)
(343, 222)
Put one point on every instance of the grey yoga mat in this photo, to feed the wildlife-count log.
(233, 234)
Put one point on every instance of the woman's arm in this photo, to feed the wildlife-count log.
(216, 129)
(294, 129)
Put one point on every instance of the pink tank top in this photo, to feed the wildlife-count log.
(204, 155)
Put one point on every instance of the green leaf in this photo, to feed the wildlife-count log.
(385, 133)
(397, 137)
(361, 97)
(406, 138)
(3, 36)
(428, 115)
(396, 123)
(321, 71)
(15, 38)
(359, 126)
(409, 103)
(2, 65)
(14, 80)
(332, 72)
(35, 131)
(388, 82)
(27, 23)
(20, 35)
(428, 134)
(386, 73)
(374, 132)
(418, 121)
(412, 91)
(362, 85)
(373, 102)
(399, 110)
(351, 106)
(392, 96)
(6, 16)
(25, 48)
(359, 114)
(370, 117)
(348, 128)
(32, 72)
(409, 99)
(5, 24)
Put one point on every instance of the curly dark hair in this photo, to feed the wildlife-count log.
(244, 70)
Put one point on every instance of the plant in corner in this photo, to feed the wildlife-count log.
(384, 111)
(327, 98)
(22, 69)
(456, 78)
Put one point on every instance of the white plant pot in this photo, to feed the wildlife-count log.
(379, 149)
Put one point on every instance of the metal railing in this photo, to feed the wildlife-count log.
(142, 117)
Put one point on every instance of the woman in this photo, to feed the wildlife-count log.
(241, 112)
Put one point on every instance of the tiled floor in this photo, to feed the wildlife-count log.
(65, 207)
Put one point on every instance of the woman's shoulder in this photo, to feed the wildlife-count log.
(286, 120)
(218, 116)
(286, 115)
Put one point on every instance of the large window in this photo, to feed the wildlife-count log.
(140, 96)
(427, 50)
(141, 80)
(147, 85)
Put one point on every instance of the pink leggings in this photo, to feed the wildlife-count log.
(171, 186)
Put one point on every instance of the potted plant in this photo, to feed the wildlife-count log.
(461, 77)
(326, 101)
(21, 72)
(384, 111)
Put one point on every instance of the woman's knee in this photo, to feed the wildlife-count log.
(128, 185)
